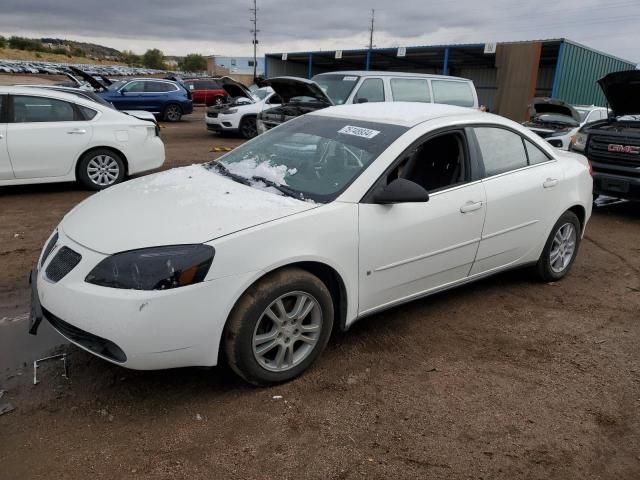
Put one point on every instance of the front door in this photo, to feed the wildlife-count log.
(410, 249)
(44, 136)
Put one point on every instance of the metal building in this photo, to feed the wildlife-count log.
(506, 75)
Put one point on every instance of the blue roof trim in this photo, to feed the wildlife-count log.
(556, 75)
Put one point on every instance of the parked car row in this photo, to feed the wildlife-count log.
(54, 68)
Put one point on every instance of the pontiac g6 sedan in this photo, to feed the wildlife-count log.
(310, 227)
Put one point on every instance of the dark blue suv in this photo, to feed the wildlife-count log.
(168, 99)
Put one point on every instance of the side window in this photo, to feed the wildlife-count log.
(534, 154)
(158, 87)
(87, 113)
(40, 109)
(502, 150)
(603, 115)
(452, 93)
(371, 90)
(410, 90)
(134, 87)
(435, 164)
(2, 118)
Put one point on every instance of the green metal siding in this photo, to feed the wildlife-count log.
(578, 71)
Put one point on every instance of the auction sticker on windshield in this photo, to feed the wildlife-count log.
(359, 131)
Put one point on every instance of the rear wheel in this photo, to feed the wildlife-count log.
(561, 248)
(100, 169)
(279, 327)
(248, 127)
(172, 113)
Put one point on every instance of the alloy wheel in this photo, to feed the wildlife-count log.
(103, 170)
(173, 113)
(563, 248)
(287, 331)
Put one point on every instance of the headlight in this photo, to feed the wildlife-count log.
(579, 141)
(158, 268)
(230, 111)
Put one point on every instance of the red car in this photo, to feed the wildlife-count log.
(206, 91)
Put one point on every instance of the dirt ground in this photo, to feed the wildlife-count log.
(505, 378)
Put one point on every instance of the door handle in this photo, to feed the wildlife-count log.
(550, 183)
(77, 131)
(470, 207)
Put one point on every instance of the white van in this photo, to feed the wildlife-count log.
(300, 96)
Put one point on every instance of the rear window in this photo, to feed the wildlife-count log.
(452, 93)
(410, 90)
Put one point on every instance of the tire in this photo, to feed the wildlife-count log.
(248, 127)
(172, 112)
(268, 348)
(100, 169)
(561, 248)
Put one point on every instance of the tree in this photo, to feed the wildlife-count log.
(153, 58)
(194, 62)
(130, 58)
(3, 42)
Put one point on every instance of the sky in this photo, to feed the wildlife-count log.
(178, 27)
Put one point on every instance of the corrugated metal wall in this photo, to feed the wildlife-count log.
(485, 81)
(544, 85)
(579, 69)
(276, 67)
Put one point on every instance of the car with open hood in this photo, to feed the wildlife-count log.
(347, 211)
(613, 144)
(240, 115)
(557, 122)
(300, 96)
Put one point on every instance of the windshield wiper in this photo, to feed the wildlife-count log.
(221, 169)
(290, 192)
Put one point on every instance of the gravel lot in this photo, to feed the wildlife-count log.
(505, 378)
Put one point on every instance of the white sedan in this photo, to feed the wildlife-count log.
(310, 227)
(49, 136)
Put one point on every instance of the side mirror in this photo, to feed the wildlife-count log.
(362, 100)
(401, 190)
(122, 92)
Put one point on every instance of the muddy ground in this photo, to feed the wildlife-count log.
(505, 378)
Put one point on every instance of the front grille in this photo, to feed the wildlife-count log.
(93, 343)
(63, 262)
(48, 248)
(599, 150)
(212, 115)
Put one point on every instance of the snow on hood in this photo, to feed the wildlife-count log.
(249, 167)
(622, 90)
(183, 205)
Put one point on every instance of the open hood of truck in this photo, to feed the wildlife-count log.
(540, 106)
(622, 90)
(291, 87)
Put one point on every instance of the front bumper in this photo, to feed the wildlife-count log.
(617, 186)
(143, 330)
(221, 123)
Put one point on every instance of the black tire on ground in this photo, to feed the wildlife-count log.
(248, 127)
(172, 113)
(248, 316)
(100, 169)
(549, 269)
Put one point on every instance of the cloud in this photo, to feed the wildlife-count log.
(207, 26)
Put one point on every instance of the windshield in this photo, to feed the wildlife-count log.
(261, 93)
(336, 87)
(311, 157)
(583, 114)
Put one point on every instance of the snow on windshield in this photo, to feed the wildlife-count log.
(250, 167)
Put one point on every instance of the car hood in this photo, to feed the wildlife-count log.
(541, 106)
(98, 86)
(622, 90)
(290, 87)
(235, 89)
(183, 205)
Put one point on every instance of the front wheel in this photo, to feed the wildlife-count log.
(172, 113)
(561, 248)
(248, 127)
(279, 327)
(100, 169)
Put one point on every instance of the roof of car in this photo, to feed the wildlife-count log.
(48, 92)
(375, 73)
(406, 114)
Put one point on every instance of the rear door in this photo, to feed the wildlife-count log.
(6, 172)
(45, 136)
(156, 95)
(410, 89)
(522, 185)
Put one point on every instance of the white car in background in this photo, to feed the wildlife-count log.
(50, 136)
(240, 116)
(310, 227)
